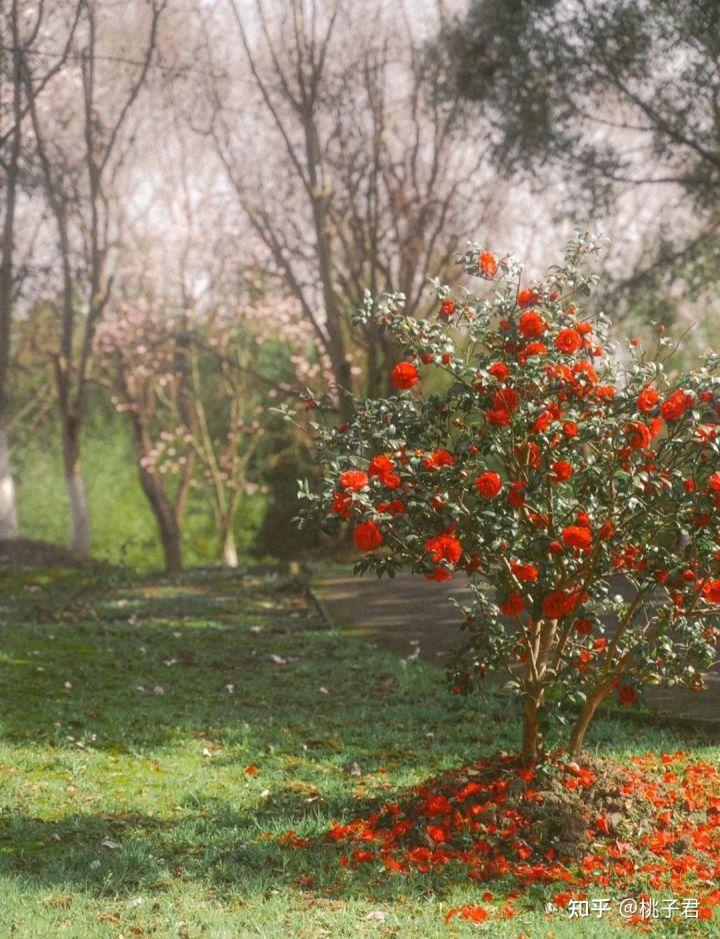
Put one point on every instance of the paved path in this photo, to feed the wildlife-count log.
(411, 616)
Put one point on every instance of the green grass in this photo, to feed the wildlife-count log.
(159, 774)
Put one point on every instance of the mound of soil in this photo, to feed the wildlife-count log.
(25, 553)
(600, 824)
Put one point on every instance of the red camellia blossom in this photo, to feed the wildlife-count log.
(499, 370)
(639, 435)
(556, 605)
(570, 429)
(524, 571)
(533, 348)
(714, 481)
(444, 548)
(488, 485)
(487, 262)
(341, 504)
(577, 536)
(382, 467)
(711, 591)
(437, 459)
(447, 308)
(367, 536)
(568, 340)
(516, 496)
(531, 325)
(647, 400)
(353, 479)
(404, 376)
(607, 530)
(562, 471)
(583, 626)
(673, 408)
(513, 605)
(526, 297)
(627, 694)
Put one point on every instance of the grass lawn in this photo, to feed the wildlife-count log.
(157, 737)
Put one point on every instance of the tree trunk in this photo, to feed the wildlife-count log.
(577, 736)
(75, 483)
(8, 511)
(229, 548)
(531, 738)
(165, 518)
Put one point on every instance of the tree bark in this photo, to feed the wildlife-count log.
(229, 548)
(531, 737)
(8, 511)
(165, 518)
(75, 483)
(577, 735)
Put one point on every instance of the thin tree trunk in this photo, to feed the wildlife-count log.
(75, 483)
(531, 738)
(229, 548)
(8, 511)
(165, 518)
(577, 735)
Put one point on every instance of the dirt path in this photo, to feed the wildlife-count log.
(413, 617)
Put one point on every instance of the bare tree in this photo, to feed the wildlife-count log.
(347, 166)
(20, 42)
(79, 191)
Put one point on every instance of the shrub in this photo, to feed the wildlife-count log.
(579, 493)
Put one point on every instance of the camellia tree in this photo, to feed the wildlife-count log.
(579, 495)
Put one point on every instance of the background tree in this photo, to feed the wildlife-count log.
(21, 36)
(347, 166)
(611, 97)
(81, 150)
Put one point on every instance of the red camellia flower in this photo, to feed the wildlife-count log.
(556, 605)
(353, 479)
(499, 370)
(447, 308)
(404, 376)
(607, 530)
(444, 548)
(438, 458)
(639, 435)
(513, 605)
(715, 482)
(531, 325)
(516, 496)
(673, 408)
(341, 504)
(488, 485)
(526, 297)
(577, 536)
(627, 695)
(711, 591)
(583, 626)
(382, 467)
(534, 348)
(562, 471)
(487, 262)
(647, 399)
(568, 340)
(524, 571)
(367, 536)
(570, 429)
